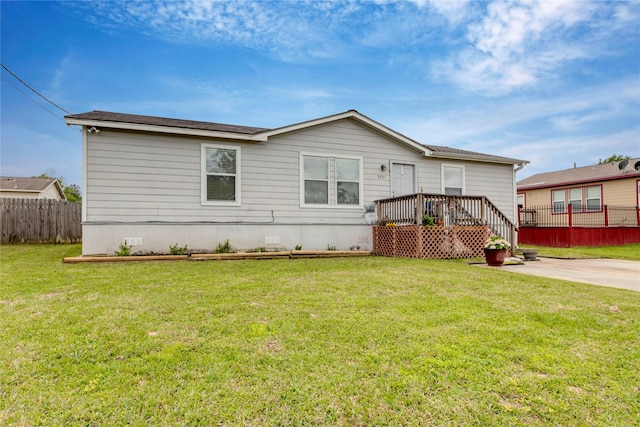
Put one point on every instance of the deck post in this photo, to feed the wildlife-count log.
(419, 208)
(513, 240)
(483, 215)
(378, 211)
(606, 215)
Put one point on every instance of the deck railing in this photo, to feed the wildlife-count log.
(579, 216)
(445, 210)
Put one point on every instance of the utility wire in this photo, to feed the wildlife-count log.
(36, 102)
(31, 98)
(33, 90)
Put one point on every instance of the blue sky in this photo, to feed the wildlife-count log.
(555, 82)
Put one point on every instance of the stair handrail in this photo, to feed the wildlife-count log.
(410, 208)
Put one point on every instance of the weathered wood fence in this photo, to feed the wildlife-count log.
(40, 221)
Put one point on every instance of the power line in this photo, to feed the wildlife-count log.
(31, 98)
(33, 90)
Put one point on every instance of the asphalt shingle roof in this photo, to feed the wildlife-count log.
(24, 184)
(593, 173)
(105, 116)
(163, 121)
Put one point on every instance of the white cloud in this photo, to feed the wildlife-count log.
(588, 110)
(503, 47)
(289, 30)
(454, 10)
(516, 44)
(557, 153)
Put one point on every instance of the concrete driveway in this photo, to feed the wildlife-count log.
(605, 272)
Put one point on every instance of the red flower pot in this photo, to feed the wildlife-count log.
(495, 257)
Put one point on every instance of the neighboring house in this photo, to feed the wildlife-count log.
(153, 182)
(586, 188)
(31, 188)
(597, 196)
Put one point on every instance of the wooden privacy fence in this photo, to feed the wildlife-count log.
(40, 221)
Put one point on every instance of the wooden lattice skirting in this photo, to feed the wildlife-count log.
(416, 241)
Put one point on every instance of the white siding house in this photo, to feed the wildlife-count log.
(154, 182)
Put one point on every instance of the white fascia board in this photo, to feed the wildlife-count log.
(307, 124)
(59, 189)
(393, 134)
(477, 158)
(350, 114)
(17, 190)
(167, 129)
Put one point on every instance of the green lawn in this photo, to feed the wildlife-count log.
(343, 341)
(630, 252)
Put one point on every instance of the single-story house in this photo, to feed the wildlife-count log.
(587, 189)
(581, 206)
(152, 182)
(31, 188)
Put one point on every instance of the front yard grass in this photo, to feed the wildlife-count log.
(342, 341)
(629, 252)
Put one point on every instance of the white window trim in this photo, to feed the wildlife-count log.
(203, 176)
(333, 181)
(448, 165)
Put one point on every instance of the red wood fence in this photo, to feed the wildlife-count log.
(606, 226)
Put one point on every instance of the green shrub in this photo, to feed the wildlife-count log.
(224, 247)
(123, 250)
(178, 250)
(331, 248)
(298, 247)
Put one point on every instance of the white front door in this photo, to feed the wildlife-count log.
(403, 179)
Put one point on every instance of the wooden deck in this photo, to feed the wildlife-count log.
(461, 226)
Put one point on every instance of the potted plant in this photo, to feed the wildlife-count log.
(427, 221)
(495, 250)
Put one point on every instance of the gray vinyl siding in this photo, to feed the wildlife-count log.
(135, 177)
(494, 181)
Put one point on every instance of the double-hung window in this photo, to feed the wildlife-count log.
(220, 175)
(581, 199)
(316, 180)
(557, 197)
(453, 180)
(575, 199)
(593, 198)
(348, 181)
(330, 181)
